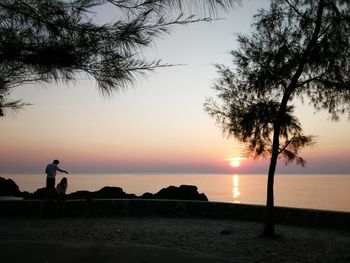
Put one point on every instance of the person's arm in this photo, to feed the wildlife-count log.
(62, 171)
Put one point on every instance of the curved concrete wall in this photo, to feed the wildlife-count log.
(175, 208)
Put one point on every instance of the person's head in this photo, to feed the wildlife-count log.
(64, 181)
(56, 162)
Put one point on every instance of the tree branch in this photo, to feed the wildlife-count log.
(298, 12)
(310, 80)
(286, 145)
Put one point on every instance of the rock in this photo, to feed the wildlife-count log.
(27, 195)
(105, 192)
(183, 192)
(110, 192)
(8, 187)
(40, 193)
(80, 195)
(147, 196)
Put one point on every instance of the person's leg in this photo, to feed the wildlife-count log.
(47, 183)
(50, 188)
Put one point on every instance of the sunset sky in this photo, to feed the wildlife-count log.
(159, 124)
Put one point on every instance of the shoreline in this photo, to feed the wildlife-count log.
(316, 192)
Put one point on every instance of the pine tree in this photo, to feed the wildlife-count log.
(55, 40)
(299, 49)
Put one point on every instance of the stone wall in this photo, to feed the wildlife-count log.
(174, 208)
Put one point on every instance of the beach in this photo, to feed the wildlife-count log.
(157, 239)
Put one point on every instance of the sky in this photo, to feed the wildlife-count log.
(158, 125)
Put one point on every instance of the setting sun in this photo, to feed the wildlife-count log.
(235, 161)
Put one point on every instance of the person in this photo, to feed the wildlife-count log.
(61, 188)
(51, 170)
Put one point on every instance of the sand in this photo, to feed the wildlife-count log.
(152, 240)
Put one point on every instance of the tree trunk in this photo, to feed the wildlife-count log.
(269, 229)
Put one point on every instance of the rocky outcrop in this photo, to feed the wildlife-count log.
(8, 187)
(38, 194)
(183, 192)
(104, 193)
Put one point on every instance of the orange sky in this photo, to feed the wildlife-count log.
(158, 125)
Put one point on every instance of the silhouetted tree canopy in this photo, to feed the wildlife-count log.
(45, 40)
(299, 50)
(251, 120)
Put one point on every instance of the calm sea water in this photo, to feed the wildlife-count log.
(330, 192)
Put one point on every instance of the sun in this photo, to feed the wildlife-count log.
(235, 161)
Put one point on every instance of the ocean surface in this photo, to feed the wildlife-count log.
(328, 192)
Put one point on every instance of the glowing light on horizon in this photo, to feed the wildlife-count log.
(235, 161)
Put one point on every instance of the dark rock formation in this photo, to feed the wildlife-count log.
(147, 196)
(183, 192)
(105, 192)
(80, 195)
(8, 187)
(38, 194)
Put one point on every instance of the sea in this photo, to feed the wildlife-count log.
(325, 192)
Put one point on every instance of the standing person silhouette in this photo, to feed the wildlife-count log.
(51, 170)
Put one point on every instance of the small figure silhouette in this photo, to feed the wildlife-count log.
(61, 189)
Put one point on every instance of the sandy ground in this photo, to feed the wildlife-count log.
(151, 240)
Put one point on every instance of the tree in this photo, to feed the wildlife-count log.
(55, 40)
(299, 49)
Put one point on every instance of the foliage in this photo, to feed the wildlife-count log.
(54, 40)
(300, 48)
(250, 120)
(283, 60)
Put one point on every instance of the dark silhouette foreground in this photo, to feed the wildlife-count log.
(183, 192)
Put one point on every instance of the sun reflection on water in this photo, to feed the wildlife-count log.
(235, 188)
